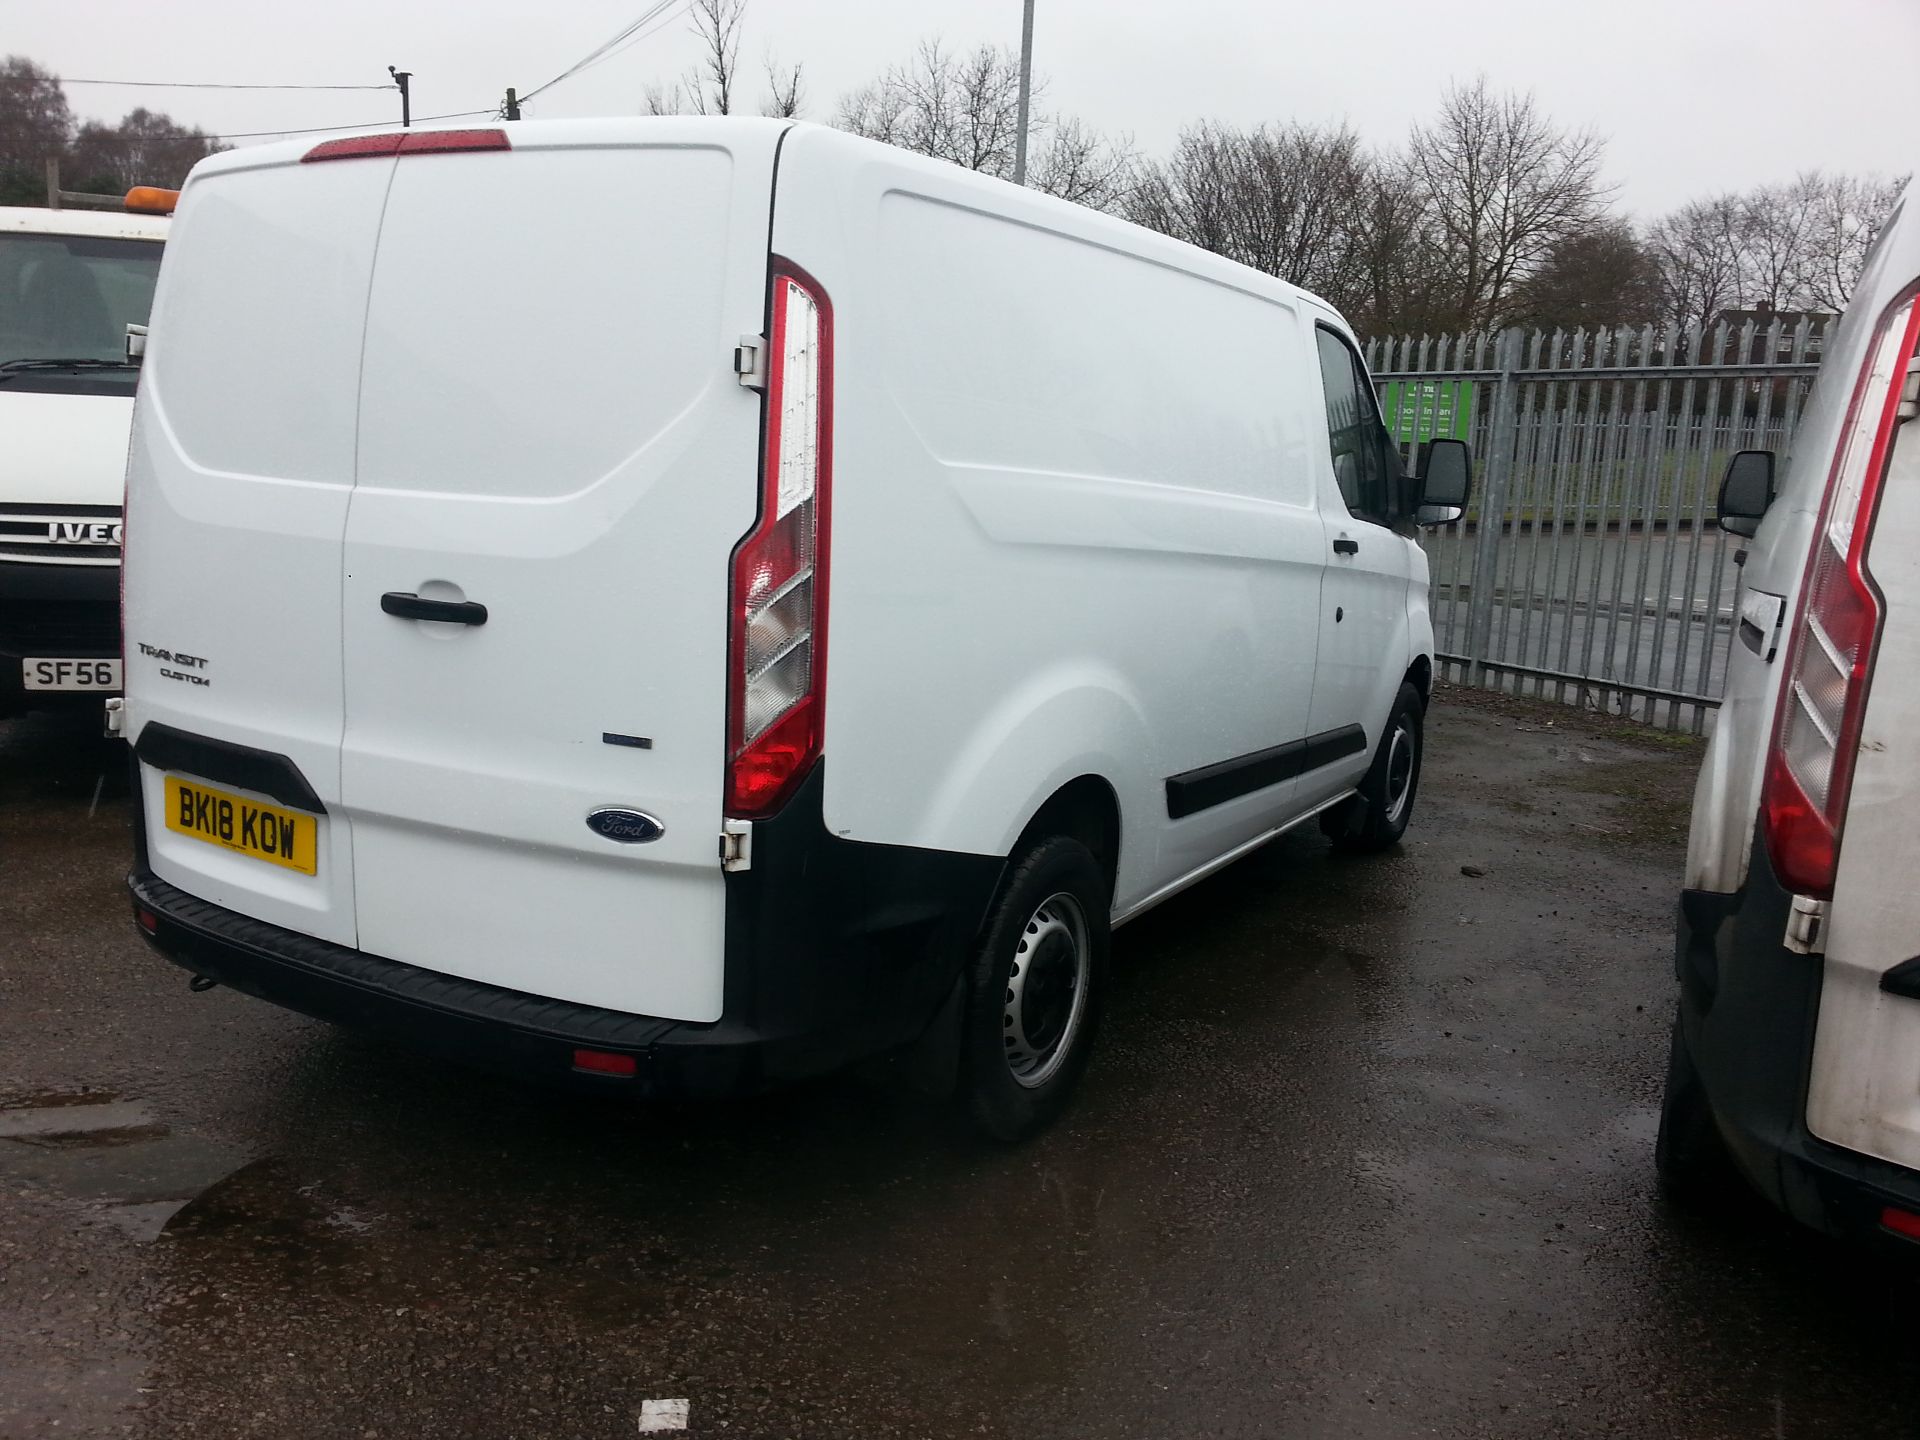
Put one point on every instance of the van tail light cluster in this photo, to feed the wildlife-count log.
(1829, 662)
(778, 649)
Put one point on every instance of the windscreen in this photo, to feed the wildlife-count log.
(71, 297)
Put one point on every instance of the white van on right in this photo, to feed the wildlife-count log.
(1796, 1048)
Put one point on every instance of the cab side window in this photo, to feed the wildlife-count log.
(1365, 461)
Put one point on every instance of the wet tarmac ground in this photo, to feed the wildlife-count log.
(1366, 1151)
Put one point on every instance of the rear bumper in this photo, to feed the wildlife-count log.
(835, 951)
(1748, 1007)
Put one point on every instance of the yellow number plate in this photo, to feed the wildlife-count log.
(266, 832)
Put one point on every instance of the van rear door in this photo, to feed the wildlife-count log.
(551, 430)
(241, 465)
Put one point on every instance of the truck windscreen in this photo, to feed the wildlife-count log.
(71, 298)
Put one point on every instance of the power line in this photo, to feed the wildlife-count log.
(604, 50)
(654, 30)
(363, 125)
(212, 85)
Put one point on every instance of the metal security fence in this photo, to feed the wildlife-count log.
(1589, 568)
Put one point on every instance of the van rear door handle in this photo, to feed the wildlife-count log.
(409, 606)
(1346, 547)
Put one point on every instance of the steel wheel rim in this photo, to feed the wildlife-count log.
(1046, 990)
(1399, 772)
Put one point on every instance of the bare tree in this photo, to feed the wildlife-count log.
(143, 149)
(961, 108)
(1848, 212)
(1403, 282)
(786, 96)
(1078, 164)
(1776, 222)
(708, 88)
(1194, 193)
(964, 108)
(1308, 204)
(1786, 247)
(1701, 251)
(1503, 185)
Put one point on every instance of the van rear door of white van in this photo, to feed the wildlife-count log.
(242, 462)
(551, 430)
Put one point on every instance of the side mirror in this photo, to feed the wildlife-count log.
(136, 343)
(1446, 480)
(1746, 492)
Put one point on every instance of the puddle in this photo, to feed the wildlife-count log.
(112, 1156)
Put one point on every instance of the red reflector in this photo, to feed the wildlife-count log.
(599, 1062)
(1901, 1222)
(149, 921)
(409, 142)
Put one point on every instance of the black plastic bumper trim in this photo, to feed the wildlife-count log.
(436, 1012)
(1748, 1008)
(1903, 979)
(1197, 790)
(262, 771)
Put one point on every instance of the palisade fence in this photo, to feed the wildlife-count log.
(1589, 567)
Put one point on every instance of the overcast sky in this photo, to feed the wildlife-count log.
(1693, 95)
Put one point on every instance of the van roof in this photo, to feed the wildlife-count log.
(37, 220)
(524, 134)
(733, 130)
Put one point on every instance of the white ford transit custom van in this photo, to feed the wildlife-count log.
(71, 281)
(1795, 1058)
(685, 604)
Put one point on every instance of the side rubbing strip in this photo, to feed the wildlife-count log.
(1903, 979)
(262, 771)
(1212, 785)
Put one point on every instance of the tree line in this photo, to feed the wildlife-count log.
(1488, 214)
(36, 125)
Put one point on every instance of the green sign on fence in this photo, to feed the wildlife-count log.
(1418, 410)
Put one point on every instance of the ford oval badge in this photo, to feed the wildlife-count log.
(628, 827)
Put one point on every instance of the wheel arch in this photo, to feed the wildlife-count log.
(1420, 676)
(1087, 809)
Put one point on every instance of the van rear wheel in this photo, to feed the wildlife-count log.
(1377, 817)
(1035, 989)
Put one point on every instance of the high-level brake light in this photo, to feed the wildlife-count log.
(778, 653)
(1829, 663)
(408, 142)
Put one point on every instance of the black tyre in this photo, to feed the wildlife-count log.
(1689, 1156)
(1377, 817)
(1035, 990)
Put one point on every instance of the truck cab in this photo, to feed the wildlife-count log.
(71, 282)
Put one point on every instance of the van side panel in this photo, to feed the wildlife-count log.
(1074, 529)
(240, 470)
(551, 428)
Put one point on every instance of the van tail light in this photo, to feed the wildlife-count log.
(1829, 662)
(777, 663)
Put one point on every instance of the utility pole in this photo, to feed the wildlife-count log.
(400, 78)
(512, 111)
(1026, 95)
